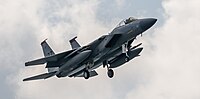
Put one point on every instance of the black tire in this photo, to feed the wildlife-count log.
(110, 73)
(86, 74)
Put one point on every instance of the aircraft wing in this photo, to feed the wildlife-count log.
(52, 58)
(41, 76)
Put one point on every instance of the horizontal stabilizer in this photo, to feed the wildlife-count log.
(92, 74)
(41, 76)
(52, 58)
(36, 62)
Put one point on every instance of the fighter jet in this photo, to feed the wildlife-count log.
(110, 51)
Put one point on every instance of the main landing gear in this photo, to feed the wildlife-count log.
(110, 72)
(86, 74)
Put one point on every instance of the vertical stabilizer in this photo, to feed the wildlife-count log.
(46, 49)
(74, 44)
(48, 52)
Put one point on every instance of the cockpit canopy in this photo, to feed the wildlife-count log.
(126, 21)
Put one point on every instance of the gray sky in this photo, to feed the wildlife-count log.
(167, 69)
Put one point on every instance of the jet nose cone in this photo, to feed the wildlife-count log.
(147, 23)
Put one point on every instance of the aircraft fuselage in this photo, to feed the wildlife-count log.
(102, 53)
(111, 51)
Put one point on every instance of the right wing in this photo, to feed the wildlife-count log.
(41, 76)
(52, 58)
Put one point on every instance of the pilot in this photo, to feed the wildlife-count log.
(129, 20)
